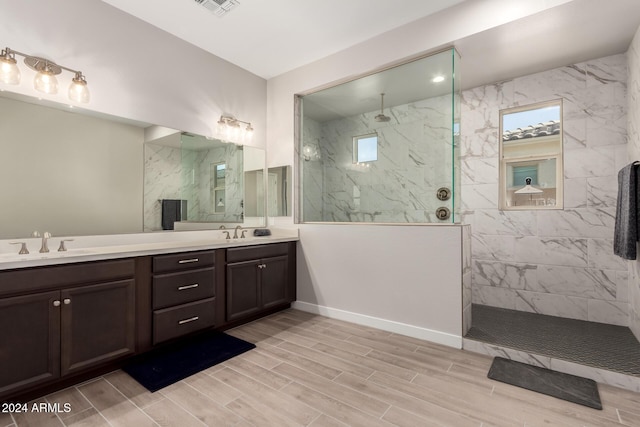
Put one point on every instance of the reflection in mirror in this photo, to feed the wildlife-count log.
(75, 172)
(68, 172)
(279, 191)
(206, 175)
(531, 157)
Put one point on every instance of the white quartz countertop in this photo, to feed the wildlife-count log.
(96, 248)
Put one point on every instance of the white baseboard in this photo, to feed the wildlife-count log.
(383, 324)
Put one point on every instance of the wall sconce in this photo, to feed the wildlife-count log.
(310, 152)
(231, 129)
(45, 80)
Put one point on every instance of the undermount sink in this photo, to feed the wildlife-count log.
(6, 257)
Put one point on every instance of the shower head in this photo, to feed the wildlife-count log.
(381, 117)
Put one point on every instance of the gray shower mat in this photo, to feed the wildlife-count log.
(599, 345)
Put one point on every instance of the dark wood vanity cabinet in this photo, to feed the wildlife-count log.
(65, 323)
(259, 278)
(183, 294)
(57, 321)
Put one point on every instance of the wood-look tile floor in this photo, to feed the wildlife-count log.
(309, 370)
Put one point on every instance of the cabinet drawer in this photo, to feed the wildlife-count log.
(179, 288)
(183, 261)
(257, 252)
(176, 321)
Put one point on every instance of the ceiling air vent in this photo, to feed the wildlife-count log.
(218, 7)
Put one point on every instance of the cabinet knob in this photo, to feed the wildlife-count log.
(67, 301)
(56, 303)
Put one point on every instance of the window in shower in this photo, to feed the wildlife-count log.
(410, 135)
(365, 148)
(531, 157)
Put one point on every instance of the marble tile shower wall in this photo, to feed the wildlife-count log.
(162, 179)
(466, 279)
(414, 160)
(172, 173)
(633, 129)
(555, 262)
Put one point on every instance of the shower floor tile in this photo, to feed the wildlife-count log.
(598, 345)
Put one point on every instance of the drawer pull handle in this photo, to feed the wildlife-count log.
(56, 303)
(189, 320)
(182, 288)
(187, 261)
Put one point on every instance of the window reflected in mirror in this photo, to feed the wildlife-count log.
(531, 157)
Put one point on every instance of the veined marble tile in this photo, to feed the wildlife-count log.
(552, 305)
(607, 130)
(566, 251)
(574, 281)
(492, 247)
(466, 319)
(601, 255)
(622, 286)
(588, 162)
(498, 95)
(602, 191)
(504, 275)
(548, 85)
(481, 142)
(574, 133)
(466, 289)
(607, 70)
(611, 312)
(479, 196)
(621, 157)
(494, 297)
(479, 171)
(584, 222)
(615, 379)
(505, 352)
(575, 193)
(515, 223)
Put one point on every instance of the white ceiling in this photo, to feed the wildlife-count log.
(270, 37)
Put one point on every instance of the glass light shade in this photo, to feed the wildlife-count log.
(46, 82)
(78, 91)
(9, 71)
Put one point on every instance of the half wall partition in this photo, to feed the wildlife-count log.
(382, 148)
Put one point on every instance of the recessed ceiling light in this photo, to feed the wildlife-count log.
(438, 79)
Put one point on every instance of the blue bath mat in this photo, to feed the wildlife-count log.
(167, 365)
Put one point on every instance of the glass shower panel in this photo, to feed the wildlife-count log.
(408, 116)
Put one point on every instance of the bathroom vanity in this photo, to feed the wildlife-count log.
(64, 320)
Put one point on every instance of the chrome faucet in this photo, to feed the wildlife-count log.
(235, 231)
(45, 238)
(222, 227)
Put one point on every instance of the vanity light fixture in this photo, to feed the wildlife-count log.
(230, 128)
(46, 72)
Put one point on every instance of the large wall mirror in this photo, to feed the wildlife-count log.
(531, 157)
(75, 172)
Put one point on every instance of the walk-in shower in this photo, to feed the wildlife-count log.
(382, 148)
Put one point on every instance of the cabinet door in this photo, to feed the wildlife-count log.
(98, 324)
(30, 349)
(243, 290)
(274, 281)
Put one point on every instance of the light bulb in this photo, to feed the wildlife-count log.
(78, 90)
(9, 71)
(46, 82)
